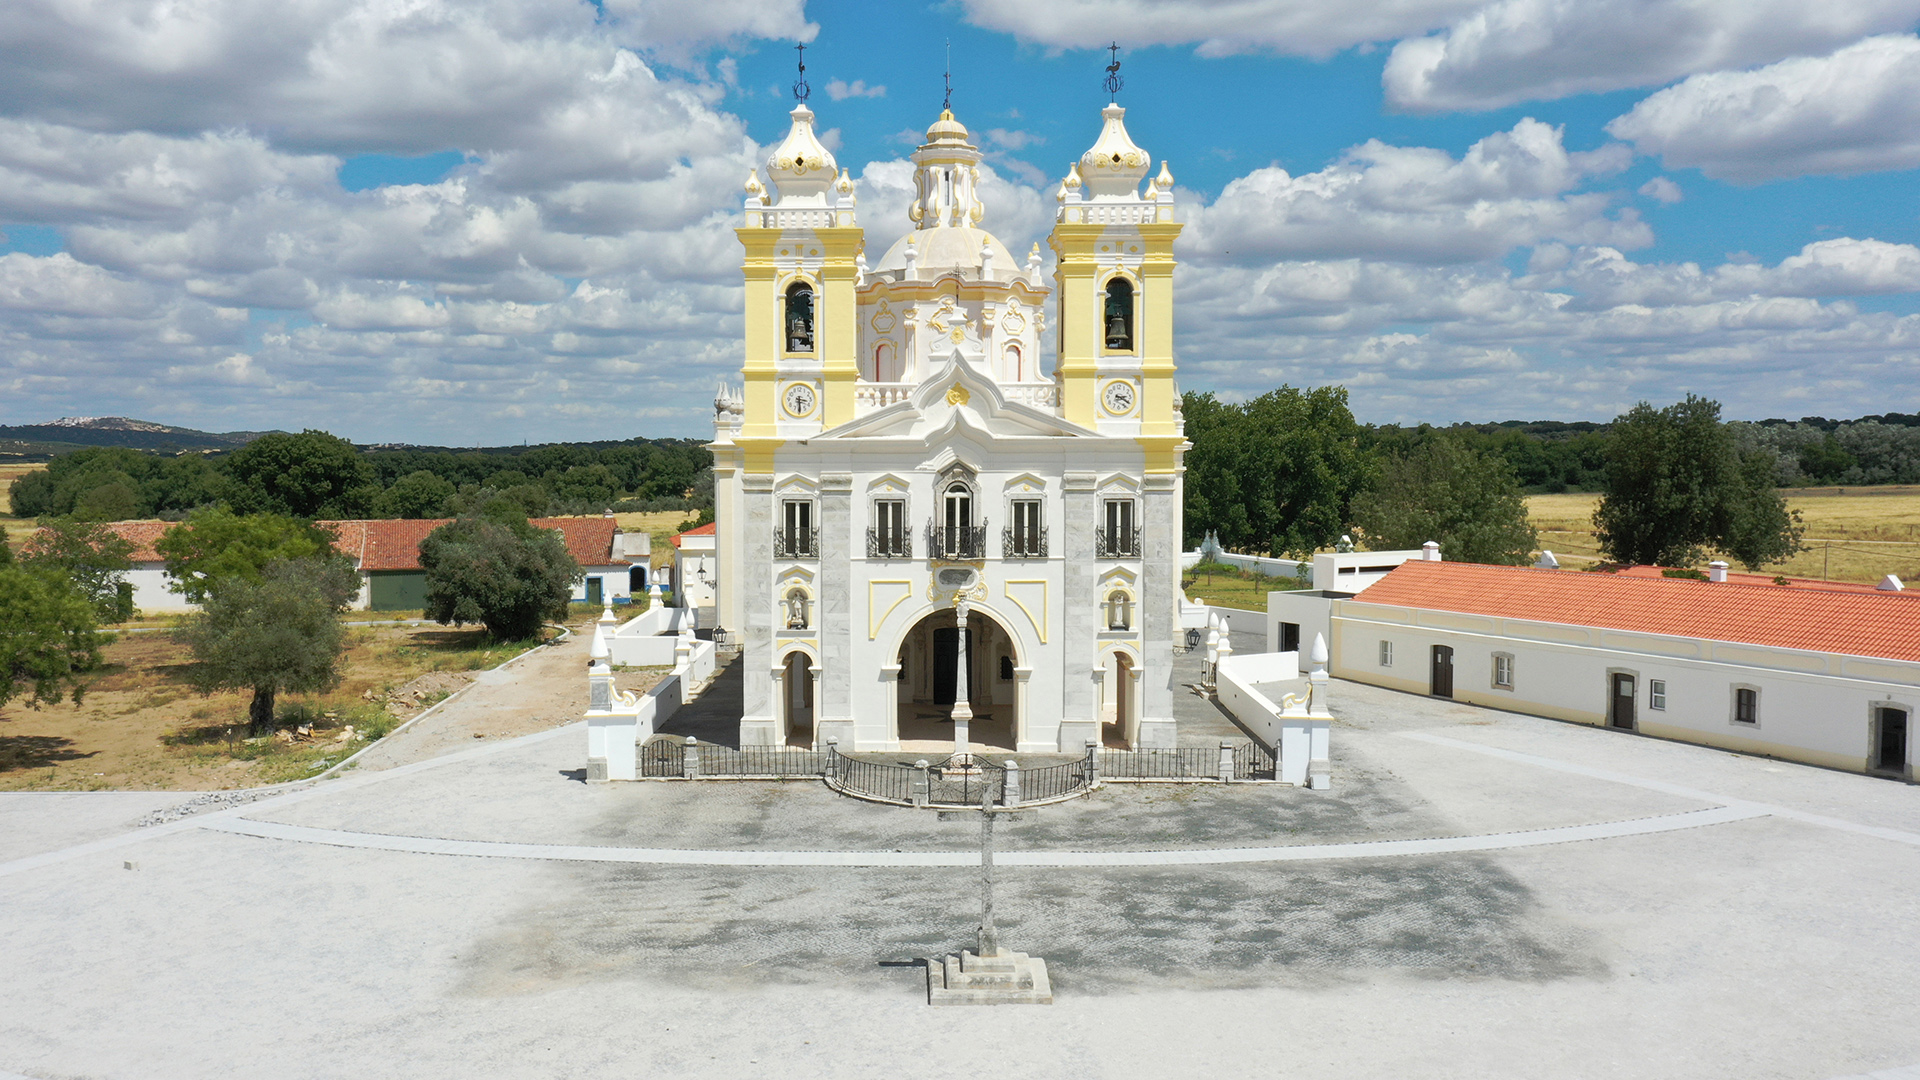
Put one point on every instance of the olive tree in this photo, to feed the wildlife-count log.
(93, 557)
(1447, 489)
(48, 637)
(504, 574)
(278, 634)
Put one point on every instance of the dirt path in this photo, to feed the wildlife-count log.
(543, 689)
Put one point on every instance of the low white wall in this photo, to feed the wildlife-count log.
(150, 592)
(615, 735)
(1299, 735)
(1259, 564)
(648, 639)
(1311, 611)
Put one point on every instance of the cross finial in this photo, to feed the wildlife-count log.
(800, 88)
(1114, 82)
(946, 103)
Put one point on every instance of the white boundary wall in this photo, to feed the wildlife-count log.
(616, 733)
(648, 639)
(1298, 728)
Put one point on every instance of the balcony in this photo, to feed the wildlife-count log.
(964, 542)
(889, 544)
(1116, 544)
(796, 543)
(1025, 545)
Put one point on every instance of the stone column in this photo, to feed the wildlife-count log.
(1080, 611)
(1159, 608)
(962, 708)
(834, 701)
(759, 720)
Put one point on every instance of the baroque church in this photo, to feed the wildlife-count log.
(926, 535)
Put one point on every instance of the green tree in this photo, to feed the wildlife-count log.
(48, 636)
(1676, 482)
(504, 574)
(32, 495)
(417, 495)
(278, 634)
(216, 544)
(1457, 491)
(1277, 474)
(309, 475)
(93, 557)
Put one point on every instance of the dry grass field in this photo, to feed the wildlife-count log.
(659, 524)
(16, 529)
(141, 726)
(1853, 534)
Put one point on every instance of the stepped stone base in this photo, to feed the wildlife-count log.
(1003, 978)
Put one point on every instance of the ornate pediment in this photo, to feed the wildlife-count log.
(958, 398)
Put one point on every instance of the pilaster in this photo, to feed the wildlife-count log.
(1080, 612)
(759, 718)
(837, 528)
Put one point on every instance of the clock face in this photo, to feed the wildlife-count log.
(799, 399)
(1119, 397)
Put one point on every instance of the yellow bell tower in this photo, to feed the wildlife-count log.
(1113, 246)
(802, 245)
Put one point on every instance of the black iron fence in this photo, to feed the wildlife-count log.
(1026, 543)
(961, 542)
(796, 543)
(889, 544)
(1116, 543)
(952, 782)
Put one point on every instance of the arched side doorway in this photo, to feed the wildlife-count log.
(1119, 687)
(794, 691)
(929, 659)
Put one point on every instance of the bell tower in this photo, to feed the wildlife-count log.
(1113, 246)
(802, 245)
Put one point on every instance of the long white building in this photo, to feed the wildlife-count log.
(926, 535)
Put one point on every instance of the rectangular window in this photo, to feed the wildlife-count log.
(1657, 694)
(1386, 654)
(1746, 705)
(1119, 538)
(888, 537)
(1027, 536)
(796, 538)
(1503, 671)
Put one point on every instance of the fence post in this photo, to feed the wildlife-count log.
(1093, 763)
(1226, 763)
(1010, 787)
(832, 767)
(917, 784)
(690, 758)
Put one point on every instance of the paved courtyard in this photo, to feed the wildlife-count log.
(1480, 894)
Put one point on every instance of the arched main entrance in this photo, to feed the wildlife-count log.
(929, 658)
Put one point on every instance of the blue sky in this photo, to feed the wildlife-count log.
(510, 219)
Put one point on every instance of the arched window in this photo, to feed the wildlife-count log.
(1119, 610)
(1011, 368)
(796, 606)
(958, 537)
(1119, 315)
(799, 321)
(883, 365)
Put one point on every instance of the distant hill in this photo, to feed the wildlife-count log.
(74, 432)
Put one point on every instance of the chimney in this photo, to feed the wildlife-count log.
(1717, 570)
(1546, 561)
(1429, 552)
(1890, 584)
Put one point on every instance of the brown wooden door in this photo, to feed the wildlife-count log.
(1442, 679)
(1621, 712)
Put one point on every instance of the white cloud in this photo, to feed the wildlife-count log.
(1522, 50)
(1661, 189)
(1857, 110)
(841, 90)
(1511, 189)
(1215, 27)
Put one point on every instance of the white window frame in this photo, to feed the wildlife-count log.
(1502, 659)
(1386, 653)
(1733, 705)
(1657, 694)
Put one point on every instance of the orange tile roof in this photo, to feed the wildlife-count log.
(1871, 623)
(1755, 579)
(394, 543)
(589, 539)
(142, 535)
(699, 530)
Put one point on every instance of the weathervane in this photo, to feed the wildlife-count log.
(1114, 82)
(800, 87)
(946, 103)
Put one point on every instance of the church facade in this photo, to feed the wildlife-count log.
(926, 535)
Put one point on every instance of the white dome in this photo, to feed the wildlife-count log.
(801, 168)
(1114, 166)
(939, 250)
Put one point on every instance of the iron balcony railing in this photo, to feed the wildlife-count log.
(957, 541)
(1030, 544)
(889, 544)
(796, 543)
(1117, 544)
